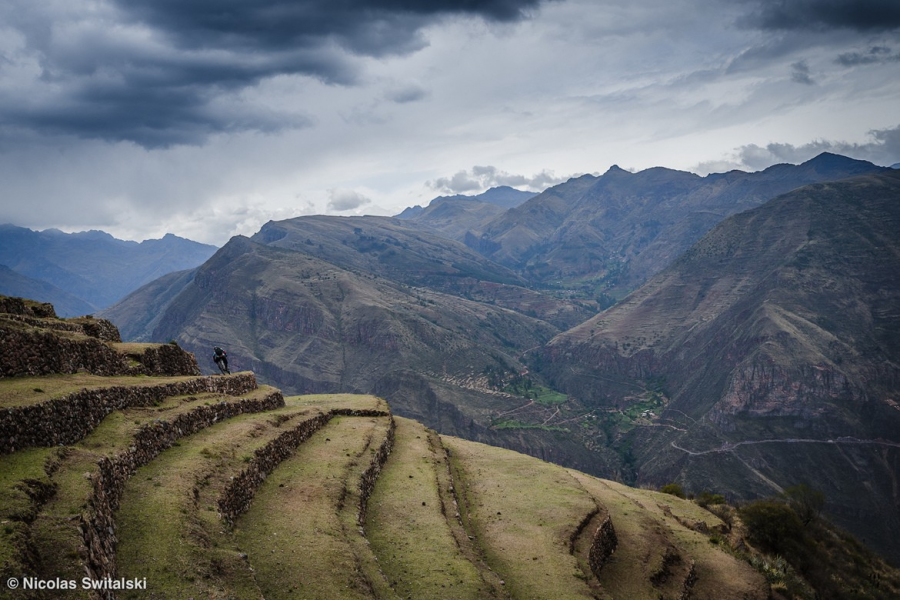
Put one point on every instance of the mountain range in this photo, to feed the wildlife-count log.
(86, 271)
(772, 349)
(609, 234)
(728, 368)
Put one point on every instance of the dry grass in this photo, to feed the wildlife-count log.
(24, 391)
(646, 524)
(523, 512)
(174, 537)
(338, 401)
(293, 532)
(408, 530)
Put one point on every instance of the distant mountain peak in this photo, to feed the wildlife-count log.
(503, 196)
(829, 160)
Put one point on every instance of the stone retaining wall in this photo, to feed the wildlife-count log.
(604, 544)
(28, 352)
(33, 352)
(370, 476)
(237, 495)
(31, 308)
(689, 582)
(68, 419)
(97, 525)
(89, 326)
(163, 360)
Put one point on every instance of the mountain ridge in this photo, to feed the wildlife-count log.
(780, 324)
(608, 234)
(94, 266)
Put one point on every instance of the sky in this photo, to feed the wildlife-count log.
(208, 118)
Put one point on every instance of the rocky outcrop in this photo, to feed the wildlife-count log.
(68, 419)
(766, 389)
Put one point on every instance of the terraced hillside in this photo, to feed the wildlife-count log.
(182, 486)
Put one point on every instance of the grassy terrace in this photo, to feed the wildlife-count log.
(514, 533)
(410, 525)
(55, 532)
(522, 513)
(648, 524)
(298, 533)
(24, 391)
(168, 523)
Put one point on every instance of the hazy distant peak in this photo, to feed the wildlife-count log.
(410, 212)
(503, 196)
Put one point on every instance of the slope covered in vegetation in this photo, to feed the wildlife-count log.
(183, 486)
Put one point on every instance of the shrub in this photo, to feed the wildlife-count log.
(673, 489)
(773, 525)
(806, 502)
(706, 499)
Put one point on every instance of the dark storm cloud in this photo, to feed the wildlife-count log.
(800, 73)
(861, 15)
(875, 55)
(374, 28)
(177, 74)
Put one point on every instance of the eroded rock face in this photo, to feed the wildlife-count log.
(768, 390)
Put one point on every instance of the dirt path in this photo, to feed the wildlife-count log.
(730, 447)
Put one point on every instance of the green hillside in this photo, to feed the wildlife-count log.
(187, 486)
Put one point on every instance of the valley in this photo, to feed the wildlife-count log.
(210, 486)
(778, 323)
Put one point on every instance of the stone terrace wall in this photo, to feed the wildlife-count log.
(21, 306)
(237, 496)
(89, 326)
(33, 352)
(98, 524)
(68, 419)
(370, 476)
(30, 352)
(604, 544)
(162, 360)
(579, 529)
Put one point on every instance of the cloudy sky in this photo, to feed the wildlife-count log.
(208, 118)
